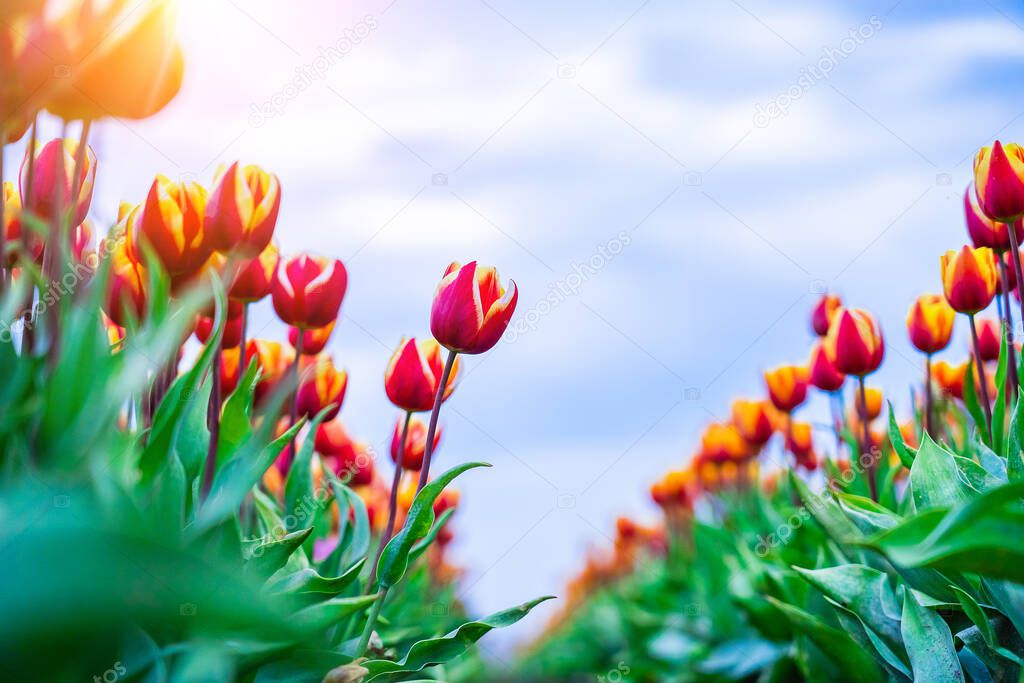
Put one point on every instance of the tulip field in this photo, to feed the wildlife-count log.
(182, 499)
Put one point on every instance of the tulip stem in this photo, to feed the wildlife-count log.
(393, 502)
(1015, 252)
(429, 450)
(213, 420)
(866, 433)
(371, 621)
(242, 366)
(835, 402)
(294, 416)
(928, 396)
(979, 371)
(1011, 351)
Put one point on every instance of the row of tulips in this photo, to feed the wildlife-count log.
(876, 554)
(223, 523)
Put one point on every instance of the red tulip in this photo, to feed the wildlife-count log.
(415, 443)
(229, 369)
(232, 336)
(824, 311)
(984, 231)
(52, 176)
(82, 250)
(930, 323)
(999, 181)
(350, 460)
(19, 242)
(822, 374)
(854, 344)
(307, 291)
(322, 385)
(413, 374)
(969, 278)
(242, 210)
(787, 386)
(990, 334)
(753, 419)
(255, 276)
(171, 224)
(126, 293)
(314, 340)
(471, 310)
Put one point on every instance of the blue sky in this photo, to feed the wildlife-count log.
(538, 137)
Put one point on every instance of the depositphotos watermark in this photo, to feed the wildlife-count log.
(308, 74)
(568, 286)
(812, 74)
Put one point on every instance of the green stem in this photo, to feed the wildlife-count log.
(393, 503)
(1011, 350)
(979, 371)
(371, 621)
(866, 447)
(432, 428)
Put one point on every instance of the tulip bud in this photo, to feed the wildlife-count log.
(930, 323)
(19, 242)
(255, 276)
(471, 309)
(242, 210)
(984, 231)
(322, 385)
(52, 176)
(82, 251)
(787, 386)
(824, 311)
(854, 344)
(415, 444)
(822, 374)
(307, 291)
(990, 334)
(314, 340)
(969, 278)
(232, 336)
(723, 442)
(413, 374)
(753, 420)
(171, 224)
(999, 181)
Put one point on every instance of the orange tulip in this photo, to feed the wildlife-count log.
(824, 311)
(873, 397)
(53, 173)
(753, 419)
(242, 210)
(229, 369)
(854, 344)
(969, 277)
(950, 378)
(415, 443)
(307, 291)
(19, 242)
(413, 374)
(471, 309)
(273, 359)
(984, 231)
(170, 222)
(990, 334)
(322, 385)
(723, 442)
(930, 323)
(255, 276)
(787, 386)
(798, 439)
(314, 340)
(822, 374)
(999, 181)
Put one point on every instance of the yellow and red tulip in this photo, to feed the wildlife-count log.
(307, 291)
(322, 385)
(349, 459)
(242, 210)
(990, 334)
(984, 231)
(413, 374)
(471, 309)
(753, 420)
(170, 222)
(53, 174)
(722, 442)
(854, 344)
(823, 312)
(999, 181)
(821, 373)
(787, 386)
(415, 444)
(273, 359)
(950, 378)
(969, 278)
(19, 242)
(314, 340)
(930, 323)
(126, 292)
(232, 330)
(255, 276)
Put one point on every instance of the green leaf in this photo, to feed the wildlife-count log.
(439, 650)
(299, 496)
(395, 558)
(424, 543)
(322, 615)
(236, 416)
(308, 580)
(1015, 440)
(906, 453)
(935, 479)
(973, 405)
(267, 558)
(999, 406)
(929, 643)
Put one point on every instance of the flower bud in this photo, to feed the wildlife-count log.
(471, 309)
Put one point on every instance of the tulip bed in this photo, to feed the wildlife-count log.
(896, 556)
(194, 510)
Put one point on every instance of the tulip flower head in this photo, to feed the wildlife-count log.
(322, 385)
(413, 374)
(990, 334)
(20, 242)
(314, 340)
(307, 291)
(415, 443)
(824, 311)
(53, 173)
(232, 331)
(798, 439)
(999, 181)
(753, 420)
(930, 323)
(854, 344)
(171, 224)
(969, 278)
(350, 460)
(255, 276)
(471, 309)
(242, 210)
(984, 231)
(126, 293)
(787, 386)
(273, 359)
(950, 378)
(822, 374)
(723, 442)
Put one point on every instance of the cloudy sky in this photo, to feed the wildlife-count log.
(669, 183)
